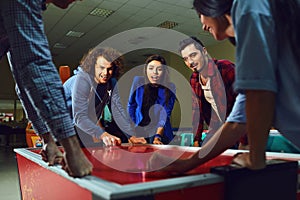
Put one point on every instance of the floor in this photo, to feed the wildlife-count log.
(9, 181)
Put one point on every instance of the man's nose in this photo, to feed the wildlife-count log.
(105, 71)
(190, 60)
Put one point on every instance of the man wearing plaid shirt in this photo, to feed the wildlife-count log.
(212, 83)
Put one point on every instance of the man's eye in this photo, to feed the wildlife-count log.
(193, 55)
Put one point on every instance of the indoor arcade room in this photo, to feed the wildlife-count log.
(154, 100)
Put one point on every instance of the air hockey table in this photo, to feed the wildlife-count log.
(119, 173)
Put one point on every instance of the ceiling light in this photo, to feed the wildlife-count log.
(137, 40)
(168, 24)
(101, 12)
(74, 34)
(59, 46)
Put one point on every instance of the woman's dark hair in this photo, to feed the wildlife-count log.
(285, 13)
(149, 98)
(213, 8)
(165, 76)
(89, 60)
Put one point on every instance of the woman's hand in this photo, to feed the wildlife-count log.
(157, 141)
(160, 165)
(243, 160)
(137, 140)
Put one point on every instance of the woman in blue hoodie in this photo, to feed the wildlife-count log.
(151, 102)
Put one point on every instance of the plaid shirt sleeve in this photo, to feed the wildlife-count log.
(228, 76)
(33, 69)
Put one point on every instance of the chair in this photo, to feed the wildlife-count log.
(187, 139)
(64, 73)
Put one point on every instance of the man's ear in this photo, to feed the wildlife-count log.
(228, 17)
(204, 50)
(230, 29)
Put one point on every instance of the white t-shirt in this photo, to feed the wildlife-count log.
(209, 96)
